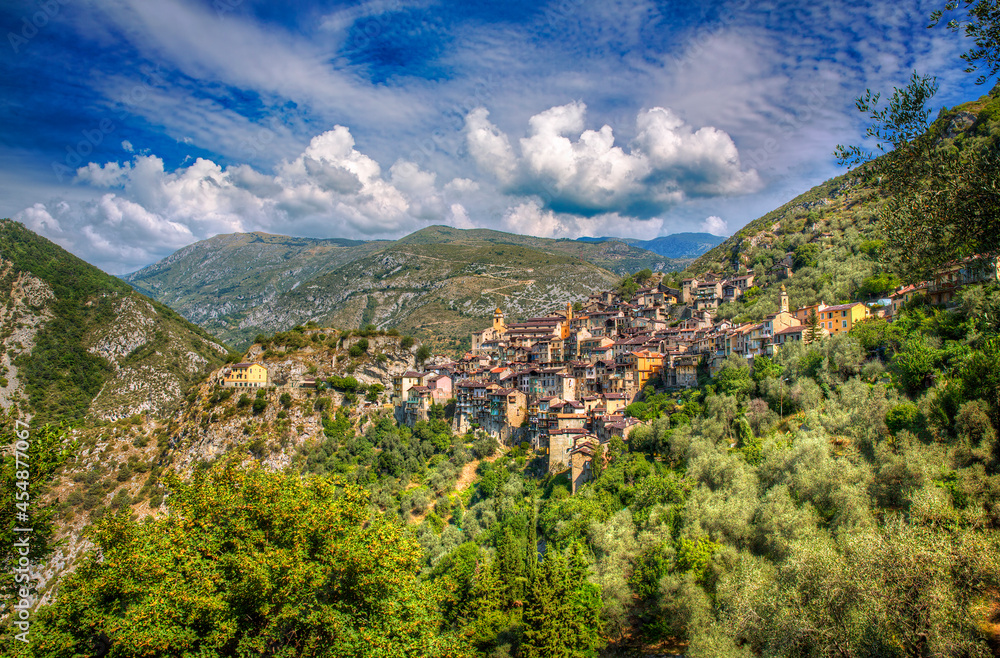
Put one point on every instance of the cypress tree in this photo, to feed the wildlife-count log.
(531, 548)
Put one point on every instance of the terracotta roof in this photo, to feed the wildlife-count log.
(794, 330)
(842, 307)
(586, 445)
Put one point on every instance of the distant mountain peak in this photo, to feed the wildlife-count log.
(675, 245)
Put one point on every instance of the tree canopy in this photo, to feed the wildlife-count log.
(249, 562)
(942, 194)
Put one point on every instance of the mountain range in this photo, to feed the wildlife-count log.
(676, 245)
(439, 282)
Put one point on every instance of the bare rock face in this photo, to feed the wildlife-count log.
(133, 327)
(26, 310)
(959, 124)
(150, 360)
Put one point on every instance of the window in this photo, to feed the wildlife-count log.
(843, 314)
(844, 323)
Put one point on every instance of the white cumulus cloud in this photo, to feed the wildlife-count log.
(330, 190)
(715, 226)
(576, 170)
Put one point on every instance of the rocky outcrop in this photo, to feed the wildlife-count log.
(25, 308)
(958, 124)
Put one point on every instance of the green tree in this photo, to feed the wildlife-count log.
(806, 255)
(942, 202)
(812, 322)
(455, 575)
(47, 449)
(878, 284)
(562, 613)
(982, 25)
(917, 363)
(975, 431)
(734, 377)
(531, 546)
(490, 619)
(980, 375)
(628, 287)
(765, 368)
(249, 562)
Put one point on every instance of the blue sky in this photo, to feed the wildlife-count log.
(129, 128)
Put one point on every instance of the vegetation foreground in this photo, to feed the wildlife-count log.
(862, 522)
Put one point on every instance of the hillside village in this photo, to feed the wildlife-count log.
(561, 382)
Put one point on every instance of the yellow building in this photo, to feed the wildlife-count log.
(802, 314)
(246, 375)
(644, 366)
(841, 319)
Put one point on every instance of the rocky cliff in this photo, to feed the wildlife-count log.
(78, 342)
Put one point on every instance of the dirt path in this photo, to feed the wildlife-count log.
(466, 477)
(468, 473)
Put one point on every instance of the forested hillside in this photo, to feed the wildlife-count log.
(840, 499)
(832, 238)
